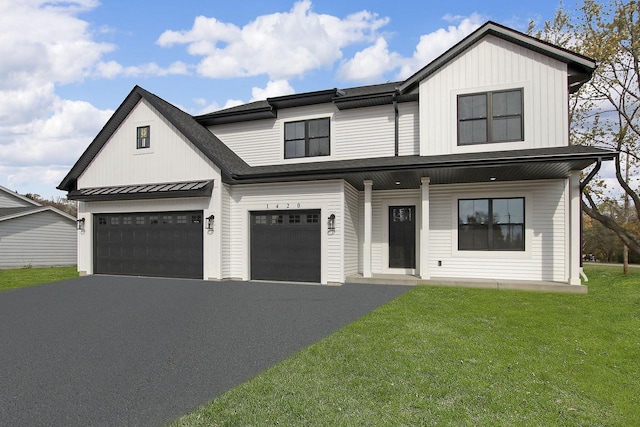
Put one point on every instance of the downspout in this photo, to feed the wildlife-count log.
(396, 124)
(583, 184)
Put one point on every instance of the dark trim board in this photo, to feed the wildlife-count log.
(155, 244)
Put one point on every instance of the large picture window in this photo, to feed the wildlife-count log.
(490, 117)
(491, 224)
(307, 138)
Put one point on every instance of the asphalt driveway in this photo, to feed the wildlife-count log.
(104, 350)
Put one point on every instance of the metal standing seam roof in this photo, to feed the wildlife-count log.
(165, 190)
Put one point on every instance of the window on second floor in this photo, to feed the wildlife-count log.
(306, 138)
(143, 137)
(490, 117)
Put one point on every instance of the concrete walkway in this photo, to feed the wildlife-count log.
(105, 350)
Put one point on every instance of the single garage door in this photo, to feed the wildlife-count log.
(162, 244)
(285, 245)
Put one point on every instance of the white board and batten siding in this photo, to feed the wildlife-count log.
(327, 196)
(545, 255)
(170, 158)
(496, 64)
(40, 239)
(354, 133)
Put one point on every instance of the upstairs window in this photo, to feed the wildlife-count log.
(491, 224)
(306, 138)
(144, 135)
(490, 117)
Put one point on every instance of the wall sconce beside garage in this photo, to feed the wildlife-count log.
(209, 224)
(331, 223)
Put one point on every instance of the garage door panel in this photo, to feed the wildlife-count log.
(285, 246)
(164, 244)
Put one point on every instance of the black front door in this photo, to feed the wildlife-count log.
(402, 237)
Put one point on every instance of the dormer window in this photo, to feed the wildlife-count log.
(144, 136)
(306, 138)
(490, 117)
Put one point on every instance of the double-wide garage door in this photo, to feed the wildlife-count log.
(163, 244)
(285, 245)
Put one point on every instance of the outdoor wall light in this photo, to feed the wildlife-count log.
(331, 222)
(80, 223)
(209, 224)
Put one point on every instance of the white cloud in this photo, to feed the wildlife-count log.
(41, 134)
(112, 69)
(436, 43)
(371, 63)
(280, 45)
(273, 88)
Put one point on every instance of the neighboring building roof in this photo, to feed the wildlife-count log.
(19, 196)
(12, 213)
(153, 191)
(580, 67)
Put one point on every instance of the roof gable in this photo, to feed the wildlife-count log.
(11, 199)
(580, 67)
(221, 155)
(12, 213)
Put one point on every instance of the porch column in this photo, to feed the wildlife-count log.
(423, 265)
(575, 251)
(368, 229)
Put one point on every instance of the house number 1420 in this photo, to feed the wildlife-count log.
(282, 205)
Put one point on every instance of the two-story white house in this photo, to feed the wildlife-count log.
(465, 170)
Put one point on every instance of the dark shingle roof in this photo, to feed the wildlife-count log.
(221, 155)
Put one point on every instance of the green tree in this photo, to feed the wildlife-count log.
(605, 112)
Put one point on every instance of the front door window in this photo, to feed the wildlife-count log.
(402, 237)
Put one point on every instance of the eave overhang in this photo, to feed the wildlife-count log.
(144, 191)
(580, 66)
(267, 112)
(403, 172)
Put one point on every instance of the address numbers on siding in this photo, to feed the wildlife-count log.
(283, 205)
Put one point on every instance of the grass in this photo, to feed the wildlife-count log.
(21, 277)
(454, 356)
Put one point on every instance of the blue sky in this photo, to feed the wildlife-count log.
(67, 65)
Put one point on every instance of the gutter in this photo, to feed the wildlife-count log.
(396, 122)
(583, 184)
(454, 163)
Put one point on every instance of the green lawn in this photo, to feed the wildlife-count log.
(21, 277)
(454, 356)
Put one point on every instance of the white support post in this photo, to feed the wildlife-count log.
(575, 251)
(423, 264)
(368, 229)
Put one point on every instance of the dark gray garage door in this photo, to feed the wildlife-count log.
(163, 244)
(285, 245)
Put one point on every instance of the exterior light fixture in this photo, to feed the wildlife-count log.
(331, 222)
(80, 223)
(209, 224)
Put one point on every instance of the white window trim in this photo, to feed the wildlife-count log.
(305, 117)
(498, 194)
(528, 117)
